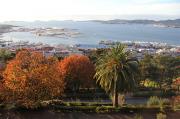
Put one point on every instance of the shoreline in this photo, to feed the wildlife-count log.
(50, 32)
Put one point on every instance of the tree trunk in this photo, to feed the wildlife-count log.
(115, 96)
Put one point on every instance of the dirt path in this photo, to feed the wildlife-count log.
(47, 114)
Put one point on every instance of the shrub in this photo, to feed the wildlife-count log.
(138, 116)
(100, 109)
(176, 84)
(166, 101)
(104, 109)
(161, 116)
(150, 84)
(51, 103)
(176, 102)
(155, 101)
(86, 104)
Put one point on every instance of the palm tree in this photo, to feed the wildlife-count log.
(115, 71)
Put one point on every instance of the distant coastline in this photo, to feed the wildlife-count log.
(161, 23)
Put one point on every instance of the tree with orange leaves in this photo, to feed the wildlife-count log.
(31, 78)
(78, 71)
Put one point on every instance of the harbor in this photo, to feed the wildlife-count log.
(62, 50)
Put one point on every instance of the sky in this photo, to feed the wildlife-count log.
(30, 10)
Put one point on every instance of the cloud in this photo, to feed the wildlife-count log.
(73, 9)
(161, 9)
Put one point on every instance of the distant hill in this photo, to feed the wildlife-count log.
(5, 28)
(160, 23)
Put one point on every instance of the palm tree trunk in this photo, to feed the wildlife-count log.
(115, 104)
(115, 94)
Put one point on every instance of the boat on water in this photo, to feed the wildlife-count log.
(107, 42)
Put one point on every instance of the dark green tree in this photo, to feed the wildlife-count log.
(115, 70)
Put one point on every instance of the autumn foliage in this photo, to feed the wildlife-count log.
(176, 84)
(31, 78)
(77, 71)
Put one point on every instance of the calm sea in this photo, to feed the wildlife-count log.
(93, 32)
